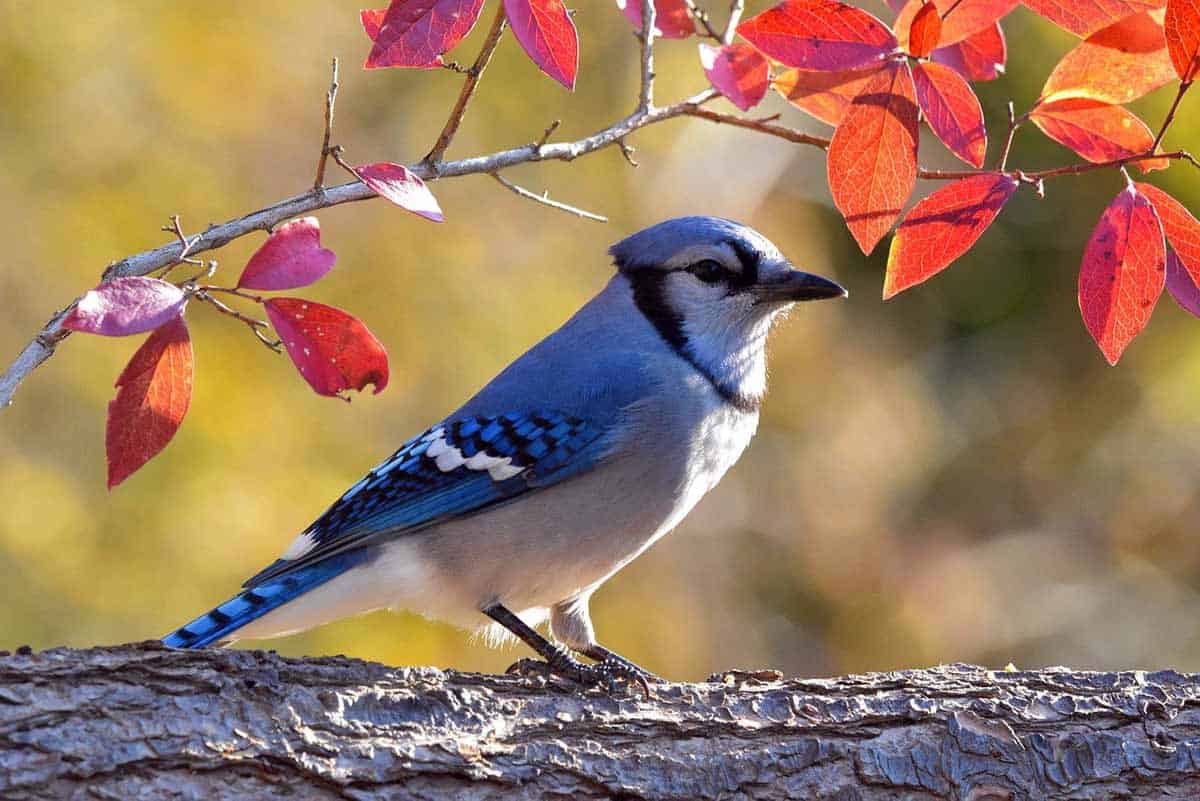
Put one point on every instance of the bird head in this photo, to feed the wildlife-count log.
(712, 287)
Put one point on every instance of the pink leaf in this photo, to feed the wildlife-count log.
(398, 184)
(1181, 286)
(672, 20)
(819, 35)
(1122, 274)
(415, 33)
(738, 72)
(333, 350)
(546, 32)
(291, 257)
(126, 306)
(153, 394)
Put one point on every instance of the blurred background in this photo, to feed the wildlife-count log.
(953, 475)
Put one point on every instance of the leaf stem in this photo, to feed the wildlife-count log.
(256, 326)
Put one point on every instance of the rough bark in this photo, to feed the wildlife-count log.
(134, 722)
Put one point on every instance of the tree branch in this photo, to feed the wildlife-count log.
(646, 93)
(145, 722)
(544, 199)
(330, 100)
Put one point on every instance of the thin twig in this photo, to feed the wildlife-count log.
(627, 152)
(241, 293)
(468, 89)
(1033, 177)
(545, 200)
(646, 93)
(762, 126)
(330, 99)
(1183, 88)
(735, 16)
(545, 137)
(257, 326)
(701, 16)
(1013, 125)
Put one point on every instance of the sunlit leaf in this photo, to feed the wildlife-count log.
(546, 32)
(824, 95)
(126, 306)
(1181, 285)
(1085, 17)
(153, 394)
(672, 20)
(979, 57)
(1122, 273)
(333, 350)
(415, 33)
(1183, 36)
(925, 31)
(942, 227)
(738, 72)
(291, 257)
(965, 20)
(399, 185)
(1117, 64)
(1097, 131)
(952, 111)
(818, 35)
(1181, 228)
(872, 163)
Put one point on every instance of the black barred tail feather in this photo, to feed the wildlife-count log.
(221, 623)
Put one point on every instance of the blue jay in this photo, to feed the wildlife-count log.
(574, 460)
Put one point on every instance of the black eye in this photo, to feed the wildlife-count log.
(709, 271)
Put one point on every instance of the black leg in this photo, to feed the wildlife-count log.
(560, 661)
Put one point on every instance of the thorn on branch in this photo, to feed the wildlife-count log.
(544, 199)
(545, 137)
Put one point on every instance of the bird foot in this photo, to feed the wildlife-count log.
(613, 675)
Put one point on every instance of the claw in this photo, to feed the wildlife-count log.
(609, 673)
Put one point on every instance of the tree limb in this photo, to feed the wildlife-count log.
(134, 722)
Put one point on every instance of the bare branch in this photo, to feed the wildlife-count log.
(649, 19)
(735, 16)
(762, 126)
(468, 89)
(330, 99)
(544, 199)
(1162, 131)
(701, 16)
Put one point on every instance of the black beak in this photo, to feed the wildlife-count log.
(797, 286)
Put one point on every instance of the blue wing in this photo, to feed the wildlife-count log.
(458, 468)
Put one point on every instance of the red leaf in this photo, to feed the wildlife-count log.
(332, 350)
(942, 227)
(825, 95)
(819, 35)
(1116, 64)
(738, 72)
(153, 394)
(399, 185)
(1183, 36)
(872, 163)
(952, 111)
(672, 20)
(548, 35)
(1085, 17)
(964, 19)
(291, 257)
(979, 57)
(126, 306)
(1122, 274)
(415, 33)
(1180, 284)
(1097, 131)
(925, 30)
(1181, 228)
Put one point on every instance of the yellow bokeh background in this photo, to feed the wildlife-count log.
(953, 475)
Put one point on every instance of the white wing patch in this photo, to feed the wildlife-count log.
(447, 458)
(299, 547)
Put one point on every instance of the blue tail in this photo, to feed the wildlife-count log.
(253, 603)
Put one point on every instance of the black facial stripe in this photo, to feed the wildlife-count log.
(749, 259)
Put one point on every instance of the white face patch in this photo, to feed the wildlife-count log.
(447, 458)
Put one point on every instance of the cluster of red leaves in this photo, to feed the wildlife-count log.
(417, 33)
(330, 348)
(875, 83)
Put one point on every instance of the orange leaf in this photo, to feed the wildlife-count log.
(1123, 272)
(153, 394)
(1085, 17)
(952, 111)
(965, 20)
(1183, 36)
(979, 57)
(1097, 131)
(872, 163)
(1181, 228)
(925, 30)
(942, 227)
(818, 35)
(824, 95)
(1117, 64)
